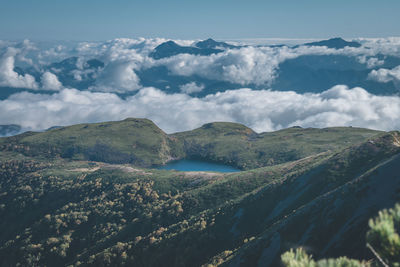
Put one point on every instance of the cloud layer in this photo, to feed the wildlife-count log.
(261, 110)
(124, 58)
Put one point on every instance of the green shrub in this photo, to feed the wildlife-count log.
(383, 239)
(300, 258)
(383, 235)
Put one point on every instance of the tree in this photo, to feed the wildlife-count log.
(383, 240)
(383, 237)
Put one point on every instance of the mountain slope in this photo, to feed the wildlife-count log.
(324, 206)
(210, 43)
(336, 43)
(137, 141)
(170, 48)
(142, 143)
(331, 213)
(237, 145)
(318, 192)
(10, 129)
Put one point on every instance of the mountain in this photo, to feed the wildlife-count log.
(238, 145)
(318, 73)
(170, 48)
(137, 141)
(71, 72)
(141, 142)
(72, 63)
(327, 209)
(319, 192)
(212, 44)
(68, 70)
(337, 43)
(10, 129)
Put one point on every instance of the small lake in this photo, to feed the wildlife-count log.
(197, 165)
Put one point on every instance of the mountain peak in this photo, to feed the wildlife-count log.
(170, 48)
(169, 44)
(336, 43)
(208, 43)
(212, 44)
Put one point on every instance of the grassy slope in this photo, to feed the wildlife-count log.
(329, 216)
(141, 142)
(137, 141)
(242, 227)
(238, 145)
(98, 214)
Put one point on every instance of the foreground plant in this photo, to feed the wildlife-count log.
(383, 241)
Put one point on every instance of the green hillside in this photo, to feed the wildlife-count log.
(315, 188)
(137, 141)
(142, 143)
(240, 146)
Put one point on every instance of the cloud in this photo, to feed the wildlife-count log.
(385, 75)
(263, 110)
(371, 62)
(190, 88)
(10, 78)
(248, 65)
(117, 77)
(50, 82)
(123, 58)
(259, 66)
(389, 46)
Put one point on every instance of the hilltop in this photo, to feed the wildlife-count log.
(142, 143)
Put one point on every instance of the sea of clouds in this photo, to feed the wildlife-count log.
(262, 110)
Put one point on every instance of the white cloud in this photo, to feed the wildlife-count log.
(10, 78)
(190, 88)
(386, 46)
(117, 77)
(243, 66)
(123, 57)
(385, 75)
(261, 110)
(50, 82)
(259, 65)
(371, 62)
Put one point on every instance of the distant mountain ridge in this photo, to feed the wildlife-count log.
(10, 129)
(336, 43)
(170, 48)
(212, 44)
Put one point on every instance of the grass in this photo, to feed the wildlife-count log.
(142, 143)
(237, 145)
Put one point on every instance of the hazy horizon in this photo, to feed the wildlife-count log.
(103, 20)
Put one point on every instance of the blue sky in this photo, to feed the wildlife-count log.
(220, 19)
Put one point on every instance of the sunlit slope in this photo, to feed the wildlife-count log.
(238, 145)
(137, 141)
(142, 143)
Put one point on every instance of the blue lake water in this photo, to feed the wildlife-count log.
(197, 165)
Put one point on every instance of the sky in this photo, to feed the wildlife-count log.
(220, 19)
